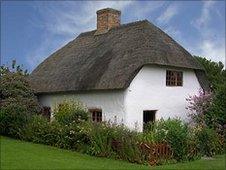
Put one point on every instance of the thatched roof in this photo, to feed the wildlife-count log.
(110, 60)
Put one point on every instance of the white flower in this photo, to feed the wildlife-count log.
(72, 132)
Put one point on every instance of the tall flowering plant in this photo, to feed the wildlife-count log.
(199, 105)
(205, 124)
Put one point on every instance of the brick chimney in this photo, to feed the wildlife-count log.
(106, 19)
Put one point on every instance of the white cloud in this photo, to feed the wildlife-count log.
(213, 50)
(168, 14)
(205, 17)
(142, 10)
(67, 21)
(209, 45)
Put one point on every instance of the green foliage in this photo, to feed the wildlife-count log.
(101, 138)
(13, 118)
(70, 111)
(17, 100)
(208, 141)
(130, 146)
(40, 130)
(77, 137)
(215, 117)
(176, 134)
(37, 129)
(114, 141)
(215, 72)
(109, 140)
(187, 142)
(173, 132)
(148, 126)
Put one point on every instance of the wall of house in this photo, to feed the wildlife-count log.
(111, 102)
(148, 91)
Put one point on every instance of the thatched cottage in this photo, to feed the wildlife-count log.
(126, 73)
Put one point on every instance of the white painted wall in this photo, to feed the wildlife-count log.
(111, 102)
(148, 91)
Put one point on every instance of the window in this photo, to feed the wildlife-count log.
(46, 112)
(174, 78)
(96, 115)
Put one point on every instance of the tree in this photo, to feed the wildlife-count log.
(17, 100)
(211, 108)
(215, 72)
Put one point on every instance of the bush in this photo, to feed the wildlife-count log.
(88, 137)
(13, 118)
(214, 111)
(101, 138)
(37, 130)
(70, 111)
(130, 149)
(216, 116)
(76, 136)
(116, 141)
(17, 101)
(173, 132)
(208, 141)
(40, 130)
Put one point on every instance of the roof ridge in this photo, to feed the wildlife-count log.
(116, 28)
(131, 24)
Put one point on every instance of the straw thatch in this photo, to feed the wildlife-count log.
(110, 60)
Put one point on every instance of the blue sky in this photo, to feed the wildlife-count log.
(31, 31)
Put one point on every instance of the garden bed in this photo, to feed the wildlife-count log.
(17, 154)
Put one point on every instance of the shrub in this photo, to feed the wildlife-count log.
(116, 141)
(173, 132)
(37, 130)
(130, 146)
(13, 118)
(40, 130)
(148, 127)
(214, 114)
(199, 106)
(17, 100)
(76, 137)
(208, 141)
(70, 111)
(101, 138)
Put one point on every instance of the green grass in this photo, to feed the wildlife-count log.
(17, 154)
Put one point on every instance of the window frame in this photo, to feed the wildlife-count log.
(96, 115)
(174, 78)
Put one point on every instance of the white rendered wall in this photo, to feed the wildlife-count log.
(148, 91)
(111, 102)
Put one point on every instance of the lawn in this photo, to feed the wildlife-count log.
(24, 155)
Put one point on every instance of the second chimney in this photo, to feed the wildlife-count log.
(106, 19)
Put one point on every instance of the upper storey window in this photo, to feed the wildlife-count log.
(174, 78)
